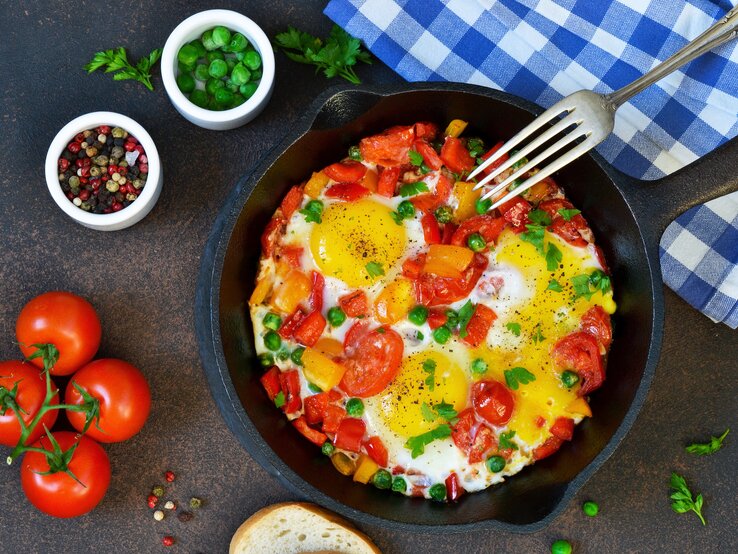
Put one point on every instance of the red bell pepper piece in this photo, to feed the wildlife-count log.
(478, 326)
(376, 450)
(292, 255)
(448, 233)
(313, 435)
(431, 230)
(310, 329)
(388, 181)
(453, 489)
(563, 428)
(270, 382)
(290, 383)
(350, 434)
(346, 172)
(291, 201)
(354, 304)
(270, 235)
(515, 211)
(551, 445)
(315, 407)
(484, 441)
(413, 267)
(436, 318)
(347, 191)
(316, 293)
(444, 187)
(289, 325)
(427, 203)
(332, 418)
(497, 163)
(430, 157)
(455, 155)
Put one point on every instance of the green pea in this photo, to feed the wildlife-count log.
(266, 359)
(354, 153)
(184, 68)
(438, 492)
(218, 69)
(382, 479)
(590, 508)
(185, 82)
(248, 89)
(255, 74)
(327, 448)
(199, 98)
(240, 75)
(207, 40)
(479, 366)
(223, 96)
(221, 36)
(569, 378)
(237, 100)
(399, 484)
(444, 214)
(237, 43)
(197, 45)
(336, 316)
(476, 242)
(483, 206)
(495, 464)
(442, 334)
(188, 55)
(283, 355)
(355, 407)
(272, 340)
(272, 321)
(214, 55)
(452, 319)
(252, 60)
(212, 85)
(418, 315)
(296, 356)
(230, 85)
(201, 72)
(561, 547)
(240, 56)
(231, 63)
(406, 209)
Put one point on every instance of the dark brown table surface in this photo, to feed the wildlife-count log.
(142, 282)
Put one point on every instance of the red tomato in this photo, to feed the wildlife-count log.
(123, 394)
(316, 293)
(315, 407)
(354, 304)
(479, 325)
(350, 434)
(288, 327)
(374, 363)
(448, 233)
(563, 428)
(571, 231)
(431, 230)
(484, 441)
(493, 401)
(436, 318)
(333, 417)
(426, 130)
(549, 447)
(291, 201)
(349, 192)
(486, 225)
(515, 211)
(354, 336)
(453, 489)
(313, 435)
(427, 203)
(376, 451)
(596, 322)
(413, 267)
(498, 162)
(64, 319)
(455, 155)
(581, 352)
(28, 398)
(310, 329)
(292, 255)
(430, 157)
(346, 172)
(57, 494)
(431, 290)
(444, 187)
(390, 148)
(271, 233)
(461, 433)
(270, 382)
(289, 382)
(388, 181)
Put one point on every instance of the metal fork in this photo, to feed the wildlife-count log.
(588, 116)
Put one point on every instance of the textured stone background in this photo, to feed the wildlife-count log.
(142, 281)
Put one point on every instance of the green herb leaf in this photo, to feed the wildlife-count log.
(116, 62)
(534, 235)
(397, 217)
(428, 414)
(514, 328)
(518, 376)
(445, 411)
(539, 217)
(279, 400)
(568, 214)
(429, 366)
(554, 285)
(505, 441)
(704, 449)
(538, 335)
(597, 279)
(465, 314)
(581, 287)
(313, 211)
(416, 158)
(411, 189)
(682, 498)
(374, 269)
(600, 281)
(417, 444)
(553, 257)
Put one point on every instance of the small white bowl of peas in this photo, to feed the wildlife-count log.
(218, 69)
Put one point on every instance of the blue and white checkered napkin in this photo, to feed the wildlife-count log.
(545, 49)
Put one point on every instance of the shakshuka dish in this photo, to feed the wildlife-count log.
(428, 345)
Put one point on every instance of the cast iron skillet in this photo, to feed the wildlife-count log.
(627, 216)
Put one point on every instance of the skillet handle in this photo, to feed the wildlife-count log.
(339, 106)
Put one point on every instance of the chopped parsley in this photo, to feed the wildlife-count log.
(465, 314)
(539, 217)
(417, 444)
(313, 211)
(514, 328)
(411, 189)
(553, 257)
(505, 442)
(597, 280)
(537, 335)
(443, 410)
(279, 399)
(374, 269)
(568, 214)
(554, 285)
(518, 376)
(427, 412)
(416, 158)
(703, 449)
(429, 366)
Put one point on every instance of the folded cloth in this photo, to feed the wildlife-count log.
(545, 49)
(699, 258)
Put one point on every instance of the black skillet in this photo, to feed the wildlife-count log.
(628, 217)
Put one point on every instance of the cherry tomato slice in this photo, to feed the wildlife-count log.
(29, 397)
(596, 322)
(492, 401)
(563, 428)
(374, 363)
(455, 155)
(346, 172)
(571, 231)
(431, 290)
(479, 325)
(581, 352)
(484, 441)
(515, 211)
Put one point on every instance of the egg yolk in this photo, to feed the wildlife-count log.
(353, 235)
(425, 379)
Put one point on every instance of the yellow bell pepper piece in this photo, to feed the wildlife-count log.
(466, 198)
(316, 184)
(262, 289)
(455, 128)
(446, 260)
(395, 301)
(293, 290)
(370, 180)
(365, 470)
(579, 407)
(321, 370)
(343, 463)
(329, 346)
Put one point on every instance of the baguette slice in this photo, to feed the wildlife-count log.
(299, 528)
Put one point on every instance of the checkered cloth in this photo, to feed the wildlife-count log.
(543, 50)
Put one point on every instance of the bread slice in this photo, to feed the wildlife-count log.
(299, 528)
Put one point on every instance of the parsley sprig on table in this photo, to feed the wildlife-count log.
(116, 61)
(681, 498)
(336, 56)
(703, 449)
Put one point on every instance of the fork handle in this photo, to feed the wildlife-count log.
(721, 32)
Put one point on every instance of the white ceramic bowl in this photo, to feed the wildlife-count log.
(192, 28)
(126, 217)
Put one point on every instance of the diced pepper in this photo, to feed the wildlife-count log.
(316, 293)
(292, 255)
(334, 415)
(430, 157)
(413, 267)
(466, 198)
(376, 450)
(365, 469)
(310, 329)
(455, 155)
(354, 304)
(287, 330)
(270, 382)
(436, 318)
(343, 463)
(579, 407)
(315, 407)
(515, 211)
(497, 163)
(563, 428)
(427, 203)
(370, 180)
(347, 191)
(447, 234)
(316, 184)
(271, 234)
(431, 230)
(549, 447)
(444, 187)
(262, 289)
(455, 128)
(321, 370)
(484, 441)
(388, 181)
(350, 434)
(313, 435)
(290, 383)
(395, 301)
(293, 290)
(426, 130)
(445, 260)
(479, 325)
(329, 346)
(453, 489)
(291, 201)
(349, 171)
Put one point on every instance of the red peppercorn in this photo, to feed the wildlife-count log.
(132, 139)
(169, 476)
(123, 171)
(105, 178)
(79, 137)
(143, 168)
(143, 159)
(103, 130)
(84, 195)
(84, 172)
(139, 149)
(70, 195)
(63, 164)
(78, 162)
(168, 540)
(83, 180)
(74, 147)
(129, 146)
(117, 206)
(112, 169)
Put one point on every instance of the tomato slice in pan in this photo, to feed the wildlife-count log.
(493, 401)
(388, 181)
(346, 172)
(515, 211)
(374, 363)
(479, 325)
(563, 428)
(596, 322)
(430, 157)
(484, 441)
(581, 352)
(571, 231)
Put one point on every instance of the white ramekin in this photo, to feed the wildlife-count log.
(126, 217)
(190, 29)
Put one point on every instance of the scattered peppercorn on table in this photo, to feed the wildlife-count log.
(142, 281)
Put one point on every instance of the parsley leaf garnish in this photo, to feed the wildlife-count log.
(598, 279)
(514, 328)
(539, 217)
(681, 498)
(465, 314)
(374, 269)
(581, 286)
(411, 189)
(428, 414)
(534, 235)
(336, 56)
(505, 441)
(429, 366)
(537, 335)
(116, 61)
(553, 257)
(554, 285)
(518, 376)
(445, 410)
(279, 399)
(418, 443)
(703, 449)
(313, 211)
(416, 158)
(397, 217)
(568, 214)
